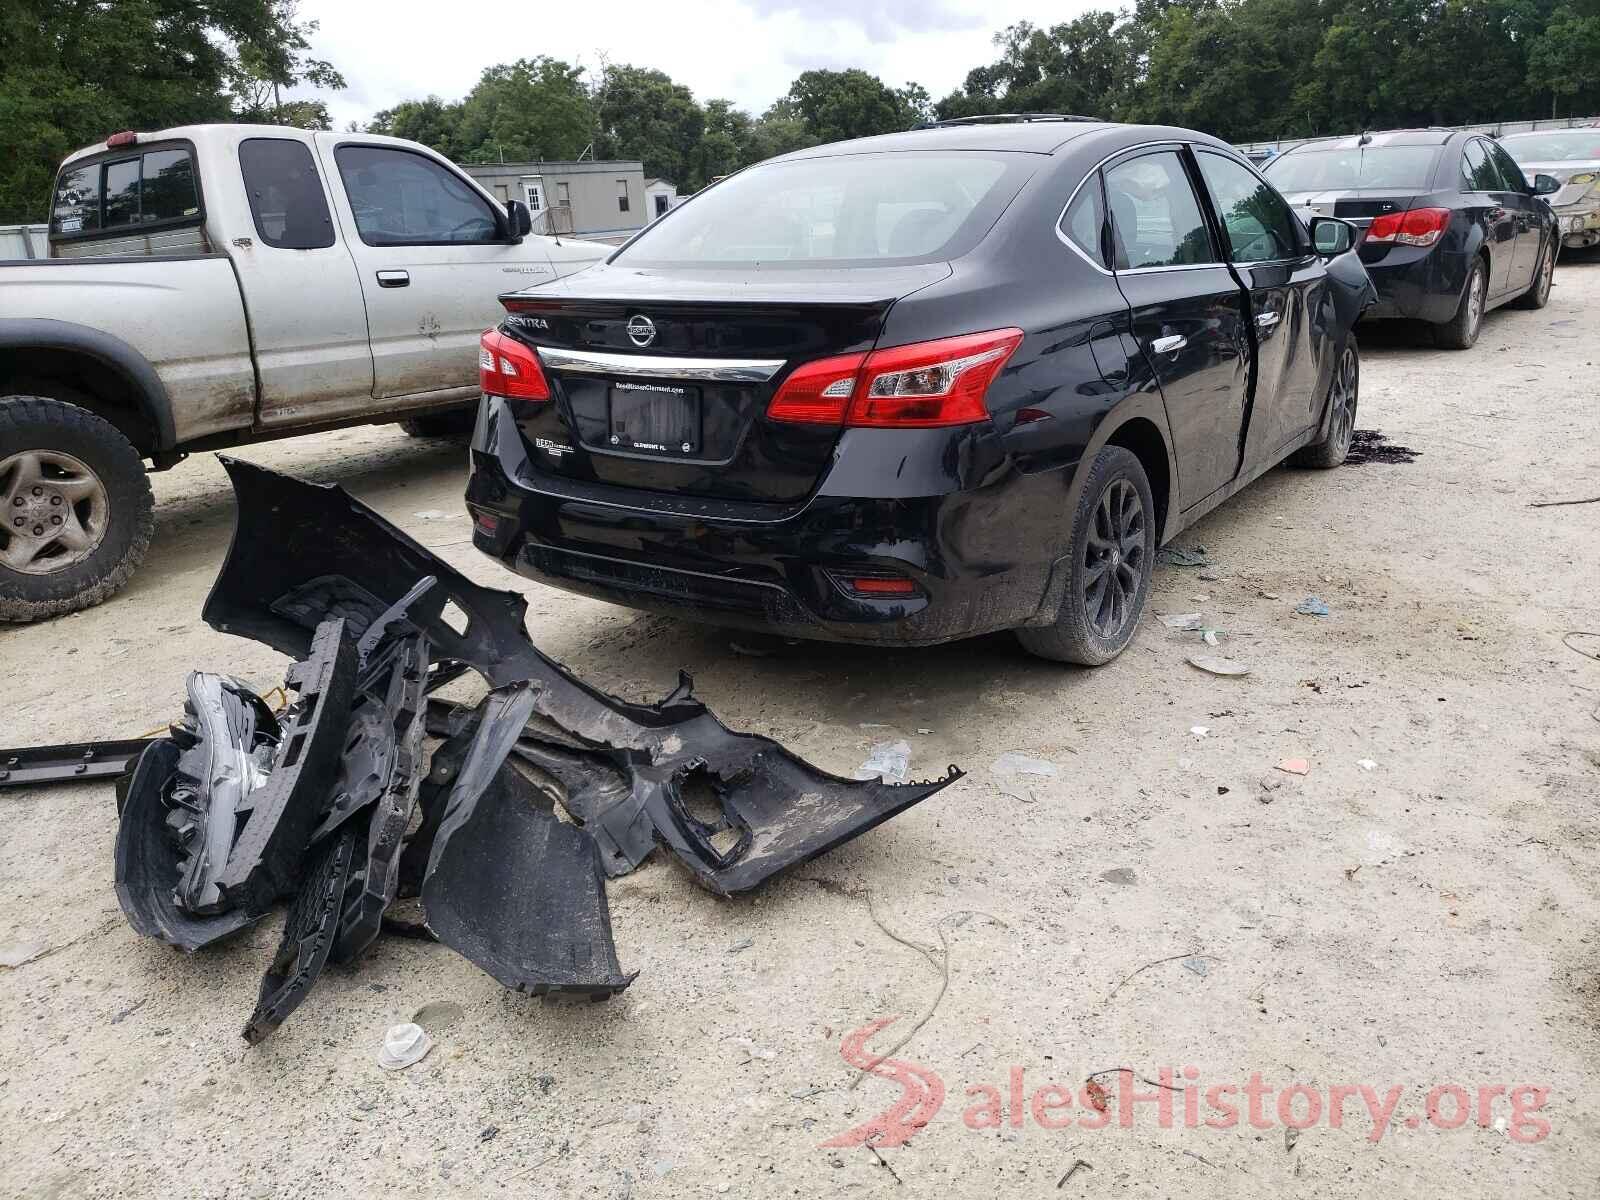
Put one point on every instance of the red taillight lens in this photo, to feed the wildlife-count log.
(818, 393)
(872, 586)
(1414, 227)
(924, 385)
(126, 138)
(508, 368)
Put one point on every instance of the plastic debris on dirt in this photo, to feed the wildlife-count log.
(502, 820)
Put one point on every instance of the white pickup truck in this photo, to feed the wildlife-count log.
(219, 284)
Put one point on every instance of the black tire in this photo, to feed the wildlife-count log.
(457, 423)
(1538, 293)
(1460, 332)
(1115, 481)
(1344, 390)
(118, 534)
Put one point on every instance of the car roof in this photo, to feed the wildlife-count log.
(1389, 137)
(1031, 136)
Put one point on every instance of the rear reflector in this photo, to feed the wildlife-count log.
(508, 368)
(881, 587)
(923, 385)
(1414, 227)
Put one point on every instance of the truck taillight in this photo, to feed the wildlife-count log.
(1414, 227)
(920, 386)
(508, 368)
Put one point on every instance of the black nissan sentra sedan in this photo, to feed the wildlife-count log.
(921, 386)
(1449, 228)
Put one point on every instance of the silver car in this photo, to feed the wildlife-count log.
(1572, 156)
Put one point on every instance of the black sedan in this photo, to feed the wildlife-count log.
(921, 386)
(1450, 228)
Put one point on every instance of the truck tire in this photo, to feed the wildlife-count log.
(77, 508)
(1113, 556)
(457, 423)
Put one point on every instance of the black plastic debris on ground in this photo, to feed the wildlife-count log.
(505, 834)
(1370, 446)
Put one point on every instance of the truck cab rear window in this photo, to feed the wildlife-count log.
(286, 198)
(128, 192)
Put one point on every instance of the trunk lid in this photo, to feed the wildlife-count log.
(661, 378)
(1356, 205)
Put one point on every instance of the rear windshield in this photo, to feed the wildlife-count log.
(108, 195)
(864, 209)
(1347, 170)
(1554, 147)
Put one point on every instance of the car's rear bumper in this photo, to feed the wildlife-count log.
(1418, 284)
(977, 568)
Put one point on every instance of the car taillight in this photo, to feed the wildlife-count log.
(920, 386)
(1414, 227)
(508, 368)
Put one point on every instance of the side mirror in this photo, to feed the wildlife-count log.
(519, 218)
(1544, 185)
(1332, 236)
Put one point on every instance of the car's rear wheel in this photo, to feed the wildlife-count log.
(76, 512)
(1113, 555)
(1538, 293)
(1344, 389)
(1460, 332)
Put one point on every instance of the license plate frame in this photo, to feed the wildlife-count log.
(658, 419)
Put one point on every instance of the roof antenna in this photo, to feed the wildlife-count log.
(1365, 139)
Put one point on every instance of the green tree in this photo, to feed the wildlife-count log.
(1088, 66)
(835, 105)
(71, 73)
(529, 109)
(643, 114)
(431, 122)
(1562, 60)
(265, 67)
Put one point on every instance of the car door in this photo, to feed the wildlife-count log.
(1273, 257)
(1525, 205)
(308, 323)
(434, 254)
(1486, 199)
(1188, 313)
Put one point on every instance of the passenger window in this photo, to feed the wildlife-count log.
(1084, 222)
(158, 186)
(77, 204)
(1478, 171)
(1515, 180)
(1155, 218)
(1258, 222)
(286, 198)
(405, 199)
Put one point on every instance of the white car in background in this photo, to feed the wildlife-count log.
(1571, 156)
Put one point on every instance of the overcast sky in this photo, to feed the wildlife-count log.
(744, 50)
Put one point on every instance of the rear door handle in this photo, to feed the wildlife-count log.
(1267, 320)
(1170, 344)
(394, 279)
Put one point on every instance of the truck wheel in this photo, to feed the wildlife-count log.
(1113, 555)
(456, 423)
(76, 511)
(1460, 332)
(1343, 391)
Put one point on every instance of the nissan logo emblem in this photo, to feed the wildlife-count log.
(641, 330)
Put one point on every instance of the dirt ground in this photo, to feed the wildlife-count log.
(1167, 900)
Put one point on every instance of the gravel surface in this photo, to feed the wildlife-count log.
(1169, 898)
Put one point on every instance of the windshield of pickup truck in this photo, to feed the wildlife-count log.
(1351, 170)
(138, 189)
(872, 209)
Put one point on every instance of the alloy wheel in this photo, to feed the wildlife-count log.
(1547, 273)
(1114, 559)
(1475, 298)
(55, 511)
(1343, 393)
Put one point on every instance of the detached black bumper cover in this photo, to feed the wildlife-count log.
(241, 809)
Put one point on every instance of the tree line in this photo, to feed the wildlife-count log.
(1242, 69)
